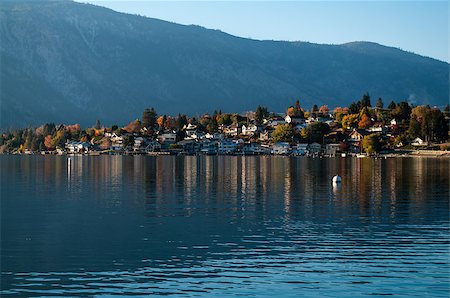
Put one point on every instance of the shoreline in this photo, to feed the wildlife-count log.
(403, 153)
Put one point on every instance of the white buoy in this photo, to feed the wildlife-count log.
(336, 179)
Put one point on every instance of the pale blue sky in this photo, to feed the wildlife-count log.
(416, 26)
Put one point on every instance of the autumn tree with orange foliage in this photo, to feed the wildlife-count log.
(133, 126)
(323, 110)
(365, 122)
(48, 142)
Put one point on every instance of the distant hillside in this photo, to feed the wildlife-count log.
(68, 62)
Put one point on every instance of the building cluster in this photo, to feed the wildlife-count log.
(245, 139)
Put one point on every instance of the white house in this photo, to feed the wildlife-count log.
(419, 142)
(116, 141)
(167, 137)
(139, 144)
(250, 129)
(190, 129)
(77, 147)
(231, 130)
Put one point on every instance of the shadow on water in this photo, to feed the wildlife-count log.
(208, 225)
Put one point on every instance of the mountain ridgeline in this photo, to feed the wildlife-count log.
(68, 62)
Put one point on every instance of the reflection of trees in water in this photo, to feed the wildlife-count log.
(249, 187)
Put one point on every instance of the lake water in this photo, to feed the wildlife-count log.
(224, 226)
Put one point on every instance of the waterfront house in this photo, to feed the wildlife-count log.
(281, 148)
(116, 141)
(356, 135)
(331, 149)
(209, 147)
(300, 149)
(355, 139)
(314, 149)
(190, 146)
(254, 149)
(227, 146)
(139, 145)
(418, 142)
(152, 146)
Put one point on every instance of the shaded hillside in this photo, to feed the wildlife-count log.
(69, 62)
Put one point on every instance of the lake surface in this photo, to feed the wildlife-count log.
(224, 226)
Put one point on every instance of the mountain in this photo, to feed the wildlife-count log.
(70, 62)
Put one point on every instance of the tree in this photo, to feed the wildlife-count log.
(225, 119)
(447, 111)
(169, 123)
(428, 123)
(353, 108)
(283, 133)
(323, 111)
(315, 132)
(371, 143)
(133, 126)
(339, 113)
(98, 125)
(379, 103)
(365, 122)
(261, 114)
(160, 121)
(128, 140)
(149, 118)
(350, 121)
(48, 142)
(392, 105)
(364, 101)
(402, 111)
(414, 127)
(314, 111)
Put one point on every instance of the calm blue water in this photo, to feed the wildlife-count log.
(224, 226)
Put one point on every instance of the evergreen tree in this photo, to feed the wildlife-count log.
(149, 117)
(98, 125)
(353, 108)
(379, 103)
(392, 105)
(365, 101)
(260, 114)
(314, 111)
